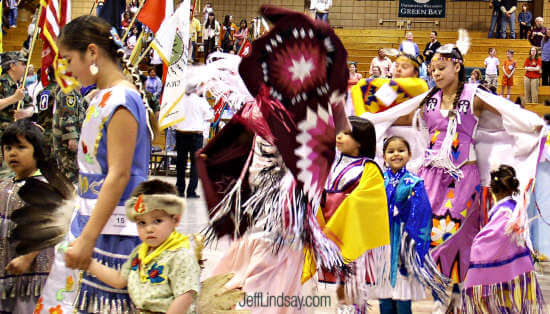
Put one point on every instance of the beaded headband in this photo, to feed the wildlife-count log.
(454, 60)
(447, 49)
(415, 61)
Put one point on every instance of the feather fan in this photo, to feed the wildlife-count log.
(44, 219)
(463, 42)
(216, 298)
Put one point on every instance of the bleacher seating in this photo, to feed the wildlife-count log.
(14, 38)
(363, 44)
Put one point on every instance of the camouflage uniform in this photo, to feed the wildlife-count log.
(8, 88)
(45, 106)
(67, 120)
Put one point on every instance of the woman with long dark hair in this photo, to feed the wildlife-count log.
(241, 35)
(113, 156)
(227, 32)
(211, 31)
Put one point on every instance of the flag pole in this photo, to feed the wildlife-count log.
(144, 54)
(31, 48)
(133, 21)
(93, 6)
(136, 47)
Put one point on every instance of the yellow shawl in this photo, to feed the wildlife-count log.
(359, 224)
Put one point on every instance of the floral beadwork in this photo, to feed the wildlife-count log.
(39, 306)
(443, 228)
(155, 273)
(135, 263)
(56, 310)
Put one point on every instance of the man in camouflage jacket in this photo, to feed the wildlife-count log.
(67, 121)
(13, 69)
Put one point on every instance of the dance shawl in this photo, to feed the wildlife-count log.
(501, 273)
(297, 76)
(347, 212)
(516, 138)
(410, 216)
(378, 94)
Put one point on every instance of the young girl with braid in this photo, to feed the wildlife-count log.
(113, 156)
(451, 116)
(501, 277)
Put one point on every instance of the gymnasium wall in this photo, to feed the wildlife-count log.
(473, 15)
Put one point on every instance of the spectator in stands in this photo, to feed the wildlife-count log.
(423, 69)
(126, 19)
(30, 32)
(31, 76)
(537, 32)
(546, 58)
(382, 62)
(354, 77)
(131, 40)
(156, 62)
(12, 12)
(375, 73)
(491, 68)
(431, 47)
(211, 30)
(408, 46)
(430, 80)
(476, 77)
(194, 30)
(508, 9)
(321, 8)
(133, 7)
(508, 69)
(189, 139)
(495, 18)
(153, 84)
(525, 18)
(227, 34)
(533, 67)
(241, 35)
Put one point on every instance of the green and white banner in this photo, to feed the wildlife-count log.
(422, 8)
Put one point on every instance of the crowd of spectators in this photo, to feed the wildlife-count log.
(536, 65)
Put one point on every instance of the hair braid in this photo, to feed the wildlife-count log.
(430, 95)
(132, 70)
(458, 94)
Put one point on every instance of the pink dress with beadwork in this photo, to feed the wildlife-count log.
(452, 182)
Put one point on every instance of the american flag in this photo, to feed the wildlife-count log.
(55, 14)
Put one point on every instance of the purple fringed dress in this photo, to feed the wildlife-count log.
(452, 181)
(501, 277)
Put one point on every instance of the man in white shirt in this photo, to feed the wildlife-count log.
(189, 139)
(321, 8)
(382, 62)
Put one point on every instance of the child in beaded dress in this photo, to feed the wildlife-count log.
(411, 268)
(22, 276)
(501, 276)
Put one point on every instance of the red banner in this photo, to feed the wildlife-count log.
(245, 49)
